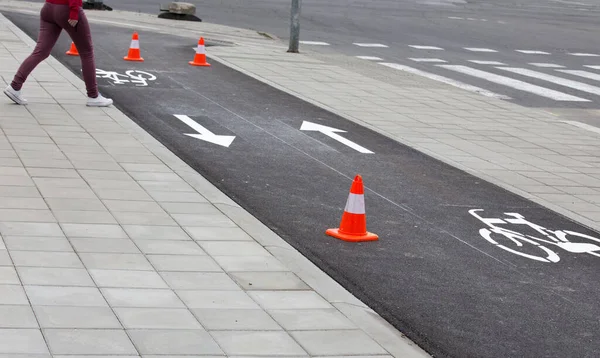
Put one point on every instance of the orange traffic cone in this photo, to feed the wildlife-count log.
(354, 220)
(200, 57)
(73, 50)
(134, 49)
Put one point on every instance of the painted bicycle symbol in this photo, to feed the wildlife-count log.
(534, 247)
(139, 78)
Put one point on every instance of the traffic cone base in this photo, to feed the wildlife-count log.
(134, 50)
(199, 64)
(352, 238)
(73, 50)
(353, 227)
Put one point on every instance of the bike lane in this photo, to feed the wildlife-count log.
(431, 274)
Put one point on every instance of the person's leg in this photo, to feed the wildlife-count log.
(82, 37)
(48, 35)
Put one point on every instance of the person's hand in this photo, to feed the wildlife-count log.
(73, 22)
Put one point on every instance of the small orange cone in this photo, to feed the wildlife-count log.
(353, 227)
(200, 57)
(73, 50)
(134, 49)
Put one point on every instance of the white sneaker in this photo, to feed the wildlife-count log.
(99, 101)
(15, 96)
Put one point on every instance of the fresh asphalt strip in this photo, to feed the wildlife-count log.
(432, 274)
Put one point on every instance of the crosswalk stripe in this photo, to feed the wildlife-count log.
(419, 47)
(370, 58)
(554, 79)
(580, 54)
(445, 80)
(495, 63)
(369, 45)
(533, 52)
(516, 84)
(546, 65)
(316, 43)
(584, 74)
(592, 67)
(477, 49)
(427, 60)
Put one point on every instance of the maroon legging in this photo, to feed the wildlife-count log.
(53, 19)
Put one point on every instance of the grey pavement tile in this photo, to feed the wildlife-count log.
(269, 281)
(154, 176)
(75, 204)
(61, 183)
(140, 232)
(46, 276)
(94, 231)
(200, 281)
(66, 193)
(157, 318)
(204, 220)
(177, 197)
(169, 247)
(5, 259)
(88, 341)
(17, 317)
(26, 243)
(86, 245)
(46, 259)
(104, 174)
(65, 296)
(133, 206)
(127, 278)
(22, 203)
(104, 183)
(233, 248)
(249, 263)
(76, 317)
(317, 319)
(148, 298)
(11, 180)
(7, 191)
(96, 165)
(22, 341)
(183, 263)
(152, 168)
(273, 300)
(547, 189)
(236, 320)
(27, 215)
(120, 356)
(53, 173)
(337, 342)
(217, 299)
(122, 194)
(150, 219)
(115, 261)
(174, 342)
(190, 208)
(47, 163)
(175, 186)
(12, 295)
(84, 217)
(8, 276)
(278, 344)
(14, 171)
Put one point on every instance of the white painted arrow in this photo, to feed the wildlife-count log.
(331, 133)
(204, 134)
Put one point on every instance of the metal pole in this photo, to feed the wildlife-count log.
(295, 27)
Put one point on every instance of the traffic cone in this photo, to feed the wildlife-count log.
(353, 227)
(73, 50)
(200, 57)
(134, 49)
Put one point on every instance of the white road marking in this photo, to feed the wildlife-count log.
(427, 60)
(315, 43)
(370, 58)
(455, 18)
(471, 19)
(583, 126)
(445, 80)
(205, 134)
(369, 45)
(495, 63)
(546, 65)
(580, 54)
(476, 49)
(584, 74)
(516, 84)
(595, 67)
(331, 133)
(418, 47)
(554, 79)
(533, 52)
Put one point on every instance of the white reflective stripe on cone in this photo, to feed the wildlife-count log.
(201, 49)
(135, 44)
(355, 204)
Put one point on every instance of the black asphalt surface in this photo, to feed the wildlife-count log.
(431, 274)
(555, 26)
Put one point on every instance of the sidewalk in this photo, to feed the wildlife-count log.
(111, 246)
